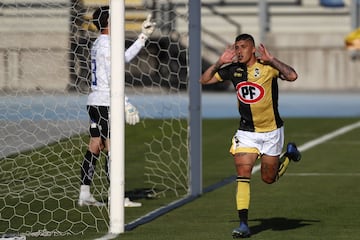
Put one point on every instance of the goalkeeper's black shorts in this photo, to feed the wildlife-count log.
(99, 121)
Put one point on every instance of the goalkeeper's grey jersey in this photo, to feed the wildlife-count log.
(100, 68)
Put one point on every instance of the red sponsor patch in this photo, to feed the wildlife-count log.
(249, 92)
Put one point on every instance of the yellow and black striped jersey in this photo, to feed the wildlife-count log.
(257, 93)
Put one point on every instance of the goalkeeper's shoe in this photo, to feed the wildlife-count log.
(129, 203)
(243, 231)
(292, 152)
(89, 200)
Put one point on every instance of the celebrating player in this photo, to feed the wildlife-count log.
(261, 132)
(98, 102)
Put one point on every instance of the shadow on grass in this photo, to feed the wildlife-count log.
(140, 193)
(279, 224)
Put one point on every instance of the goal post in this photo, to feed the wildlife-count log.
(117, 119)
(195, 127)
(44, 81)
(195, 118)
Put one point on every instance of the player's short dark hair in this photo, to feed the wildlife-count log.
(245, 37)
(101, 17)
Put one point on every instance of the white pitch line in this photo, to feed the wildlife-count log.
(329, 136)
(320, 140)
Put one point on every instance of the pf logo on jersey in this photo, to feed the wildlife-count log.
(249, 92)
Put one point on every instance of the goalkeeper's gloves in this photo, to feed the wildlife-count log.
(147, 28)
(131, 114)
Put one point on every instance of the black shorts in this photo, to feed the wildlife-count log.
(99, 121)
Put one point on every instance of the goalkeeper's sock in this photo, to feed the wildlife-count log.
(88, 167)
(243, 196)
(84, 191)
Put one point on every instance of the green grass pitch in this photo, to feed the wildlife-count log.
(317, 198)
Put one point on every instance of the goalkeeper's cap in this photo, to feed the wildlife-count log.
(101, 17)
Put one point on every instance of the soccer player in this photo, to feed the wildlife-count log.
(98, 102)
(261, 132)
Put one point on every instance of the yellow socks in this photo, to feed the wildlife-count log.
(284, 163)
(243, 193)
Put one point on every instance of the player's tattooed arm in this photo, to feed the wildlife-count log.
(286, 71)
(208, 77)
(215, 67)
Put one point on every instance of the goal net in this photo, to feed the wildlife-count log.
(44, 82)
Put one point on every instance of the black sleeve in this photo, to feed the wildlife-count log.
(224, 73)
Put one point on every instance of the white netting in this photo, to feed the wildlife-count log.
(44, 81)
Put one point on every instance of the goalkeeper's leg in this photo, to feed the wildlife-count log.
(88, 167)
(87, 173)
(99, 132)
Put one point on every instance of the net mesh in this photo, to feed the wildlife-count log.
(44, 81)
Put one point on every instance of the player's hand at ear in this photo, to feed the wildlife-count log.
(131, 114)
(228, 55)
(148, 27)
(264, 54)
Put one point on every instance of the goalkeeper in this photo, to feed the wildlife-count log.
(98, 103)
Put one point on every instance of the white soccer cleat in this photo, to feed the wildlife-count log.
(12, 237)
(89, 200)
(128, 203)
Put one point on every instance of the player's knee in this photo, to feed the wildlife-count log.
(96, 145)
(268, 179)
